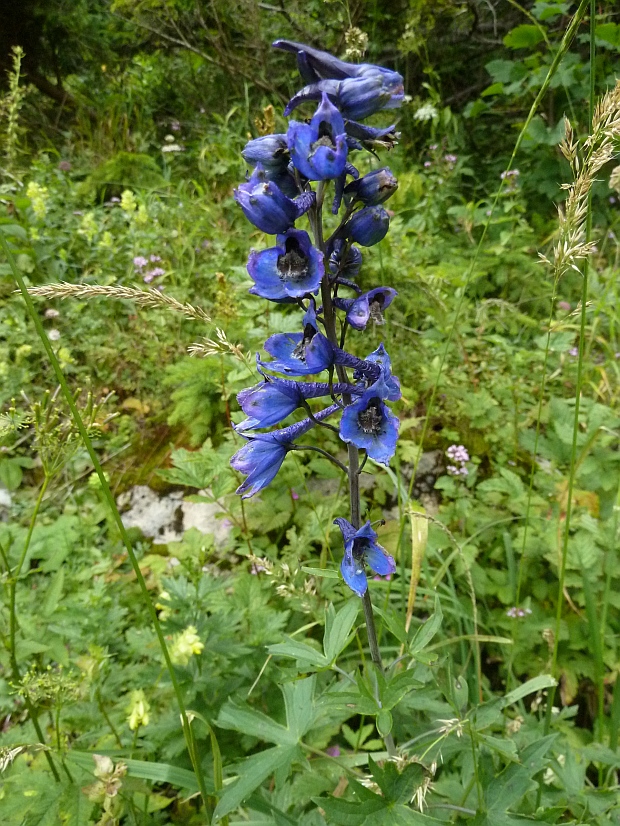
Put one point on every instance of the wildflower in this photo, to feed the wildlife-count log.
(458, 453)
(358, 89)
(369, 424)
(290, 270)
(128, 201)
(319, 149)
(261, 458)
(368, 226)
(356, 42)
(450, 159)
(367, 306)
(352, 263)
(140, 262)
(267, 207)
(518, 613)
(333, 751)
(154, 273)
(361, 549)
(141, 218)
(51, 313)
(361, 136)
(185, 645)
(175, 126)
(372, 189)
(88, 227)
(427, 164)
(382, 359)
(574, 352)
(294, 495)
(271, 151)
(107, 240)
(271, 401)
(64, 166)
(154, 259)
(38, 199)
(564, 305)
(53, 334)
(425, 112)
(172, 147)
(138, 710)
(300, 354)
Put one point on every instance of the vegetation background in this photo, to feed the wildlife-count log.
(121, 137)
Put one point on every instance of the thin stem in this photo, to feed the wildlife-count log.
(107, 493)
(327, 455)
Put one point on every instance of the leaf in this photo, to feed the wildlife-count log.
(300, 708)
(143, 770)
(299, 651)
(523, 37)
(326, 573)
(254, 723)
(252, 771)
(338, 627)
(529, 687)
(399, 686)
(427, 631)
(53, 593)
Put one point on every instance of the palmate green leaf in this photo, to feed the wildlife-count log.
(376, 812)
(338, 627)
(252, 772)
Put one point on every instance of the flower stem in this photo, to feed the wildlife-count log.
(353, 469)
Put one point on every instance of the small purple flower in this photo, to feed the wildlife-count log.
(427, 164)
(451, 159)
(156, 272)
(458, 453)
(64, 166)
(140, 262)
(574, 352)
(175, 126)
(361, 549)
(518, 613)
(154, 259)
(333, 751)
(294, 495)
(290, 270)
(564, 305)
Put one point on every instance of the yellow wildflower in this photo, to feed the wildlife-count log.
(185, 645)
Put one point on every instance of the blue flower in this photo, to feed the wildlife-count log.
(374, 188)
(392, 384)
(367, 306)
(318, 68)
(352, 263)
(261, 458)
(368, 226)
(288, 271)
(356, 97)
(369, 424)
(319, 148)
(300, 354)
(360, 136)
(267, 207)
(270, 151)
(361, 549)
(271, 401)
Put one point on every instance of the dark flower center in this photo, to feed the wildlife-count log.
(326, 137)
(375, 308)
(370, 419)
(300, 351)
(293, 265)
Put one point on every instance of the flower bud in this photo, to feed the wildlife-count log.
(368, 226)
(372, 189)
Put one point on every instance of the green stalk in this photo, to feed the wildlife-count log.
(107, 493)
(579, 383)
